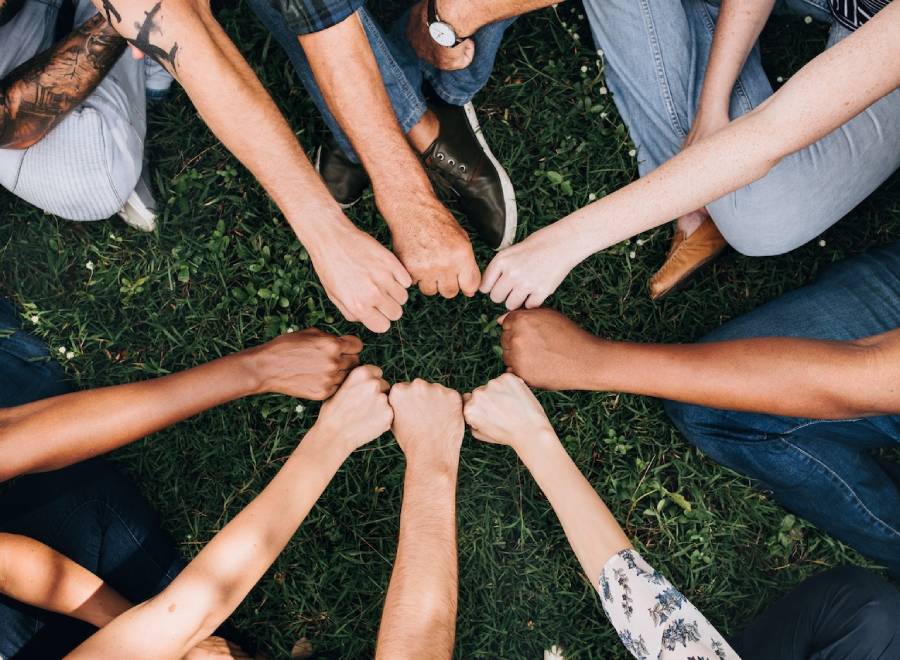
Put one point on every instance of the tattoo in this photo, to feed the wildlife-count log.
(111, 11)
(142, 40)
(36, 96)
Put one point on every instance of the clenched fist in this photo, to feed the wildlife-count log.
(359, 412)
(428, 422)
(505, 412)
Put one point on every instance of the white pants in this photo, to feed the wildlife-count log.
(87, 166)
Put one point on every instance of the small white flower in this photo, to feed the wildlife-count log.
(576, 36)
(34, 318)
(90, 266)
(564, 24)
(599, 53)
(604, 115)
(592, 197)
(632, 153)
(70, 355)
(639, 242)
(553, 653)
(807, 19)
(632, 254)
(780, 79)
(580, 17)
(299, 409)
(822, 242)
(583, 69)
(603, 91)
(62, 350)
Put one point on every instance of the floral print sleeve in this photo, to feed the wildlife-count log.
(653, 619)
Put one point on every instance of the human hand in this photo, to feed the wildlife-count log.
(505, 412)
(428, 423)
(359, 412)
(547, 350)
(216, 648)
(446, 59)
(309, 364)
(361, 277)
(432, 246)
(527, 273)
(706, 122)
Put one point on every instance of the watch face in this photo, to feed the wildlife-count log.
(443, 34)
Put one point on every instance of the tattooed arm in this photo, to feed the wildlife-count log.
(36, 95)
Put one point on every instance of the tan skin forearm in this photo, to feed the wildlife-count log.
(184, 37)
(419, 620)
(77, 426)
(773, 375)
(217, 580)
(468, 16)
(38, 94)
(35, 574)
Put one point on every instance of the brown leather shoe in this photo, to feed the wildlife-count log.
(687, 255)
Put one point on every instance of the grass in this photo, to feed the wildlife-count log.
(224, 272)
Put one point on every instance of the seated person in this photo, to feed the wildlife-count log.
(838, 114)
(73, 114)
(796, 394)
(841, 613)
(78, 539)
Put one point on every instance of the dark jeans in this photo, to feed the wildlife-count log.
(825, 471)
(88, 512)
(842, 614)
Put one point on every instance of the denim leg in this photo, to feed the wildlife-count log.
(845, 612)
(821, 470)
(405, 94)
(96, 517)
(656, 53)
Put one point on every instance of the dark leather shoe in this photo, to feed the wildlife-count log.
(460, 161)
(345, 180)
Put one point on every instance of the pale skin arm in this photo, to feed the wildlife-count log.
(359, 274)
(789, 376)
(429, 242)
(419, 620)
(825, 94)
(206, 592)
(77, 426)
(506, 412)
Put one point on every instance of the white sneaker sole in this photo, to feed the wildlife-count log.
(509, 193)
(136, 214)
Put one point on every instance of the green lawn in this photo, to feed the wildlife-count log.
(224, 272)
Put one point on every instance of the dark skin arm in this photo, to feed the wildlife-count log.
(790, 376)
(38, 94)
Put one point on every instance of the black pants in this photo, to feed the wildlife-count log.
(846, 613)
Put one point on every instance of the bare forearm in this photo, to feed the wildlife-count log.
(37, 575)
(468, 16)
(208, 590)
(591, 529)
(77, 426)
(782, 376)
(419, 620)
(37, 95)
(825, 94)
(184, 36)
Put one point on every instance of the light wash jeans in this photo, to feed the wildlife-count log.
(826, 471)
(656, 55)
(401, 69)
(87, 166)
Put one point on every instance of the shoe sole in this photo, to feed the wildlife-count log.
(319, 172)
(509, 193)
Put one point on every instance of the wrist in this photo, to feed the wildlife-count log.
(320, 226)
(460, 16)
(533, 447)
(436, 466)
(327, 445)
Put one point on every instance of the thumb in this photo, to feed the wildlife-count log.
(137, 53)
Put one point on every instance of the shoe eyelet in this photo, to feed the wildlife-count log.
(462, 168)
(440, 156)
(451, 162)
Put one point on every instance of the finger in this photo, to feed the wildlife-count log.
(401, 275)
(372, 371)
(429, 288)
(501, 289)
(448, 287)
(375, 321)
(502, 318)
(347, 362)
(383, 386)
(390, 308)
(506, 340)
(395, 291)
(469, 281)
(458, 57)
(350, 344)
(534, 301)
(478, 435)
(345, 312)
(491, 274)
(515, 299)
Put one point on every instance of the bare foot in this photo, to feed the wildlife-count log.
(690, 222)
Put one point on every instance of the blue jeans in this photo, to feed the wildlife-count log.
(656, 55)
(824, 471)
(401, 69)
(88, 512)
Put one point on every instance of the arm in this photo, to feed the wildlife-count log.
(419, 619)
(217, 580)
(359, 275)
(427, 239)
(774, 375)
(36, 95)
(37, 575)
(825, 94)
(80, 425)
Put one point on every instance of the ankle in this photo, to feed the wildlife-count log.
(425, 132)
(690, 222)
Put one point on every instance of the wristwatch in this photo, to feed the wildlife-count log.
(443, 33)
